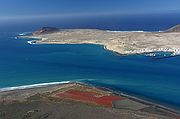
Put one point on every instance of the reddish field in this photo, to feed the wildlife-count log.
(89, 97)
(107, 100)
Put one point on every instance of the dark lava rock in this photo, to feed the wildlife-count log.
(46, 30)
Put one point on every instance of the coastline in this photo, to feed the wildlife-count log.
(32, 86)
(151, 52)
(121, 42)
(39, 101)
(135, 98)
(46, 87)
(174, 52)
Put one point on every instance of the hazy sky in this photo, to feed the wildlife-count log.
(33, 8)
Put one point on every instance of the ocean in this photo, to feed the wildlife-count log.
(153, 79)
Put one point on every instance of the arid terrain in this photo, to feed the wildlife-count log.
(117, 41)
(75, 101)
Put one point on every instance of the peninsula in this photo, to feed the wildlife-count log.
(122, 42)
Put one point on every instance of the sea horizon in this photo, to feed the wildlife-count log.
(114, 22)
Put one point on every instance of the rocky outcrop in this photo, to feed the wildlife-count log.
(46, 30)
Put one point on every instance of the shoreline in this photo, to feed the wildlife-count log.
(149, 53)
(31, 100)
(127, 43)
(119, 93)
(135, 98)
(174, 51)
(6, 89)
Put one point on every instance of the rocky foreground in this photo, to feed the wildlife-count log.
(75, 101)
(117, 41)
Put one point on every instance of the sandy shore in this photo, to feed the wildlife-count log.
(43, 102)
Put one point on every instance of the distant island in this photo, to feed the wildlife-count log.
(122, 42)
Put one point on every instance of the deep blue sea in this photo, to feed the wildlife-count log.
(153, 79)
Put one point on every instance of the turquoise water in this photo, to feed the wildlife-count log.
(149, 78)
(154, 79)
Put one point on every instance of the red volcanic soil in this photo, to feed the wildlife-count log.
(89, 97)
(107, 100)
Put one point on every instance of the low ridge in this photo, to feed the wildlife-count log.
(174, 28)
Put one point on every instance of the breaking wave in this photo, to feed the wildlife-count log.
(33, 86)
